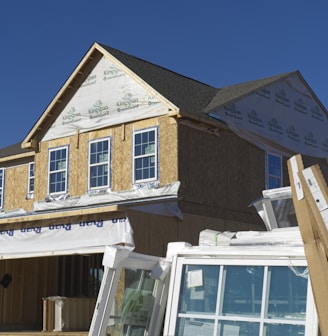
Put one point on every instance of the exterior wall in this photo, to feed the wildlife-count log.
(16, 179)
(220, 177)
(121, 162)
(21, 301)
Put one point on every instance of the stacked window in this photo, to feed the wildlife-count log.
(249, 299)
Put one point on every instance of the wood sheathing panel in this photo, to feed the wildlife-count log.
(152, 233)
(220, 175)
(21, 302)
(16, 188)
(122, 146)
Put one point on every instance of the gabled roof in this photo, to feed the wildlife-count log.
(234, 92)
(186, 94)
(187, 97)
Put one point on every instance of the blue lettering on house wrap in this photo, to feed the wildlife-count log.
(36, 229)
(97, 223)
(7, 232)
(66, 227)
(119, 220)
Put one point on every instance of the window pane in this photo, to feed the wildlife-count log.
(58, 159)
(274, 182)
(243, 290)
(57, 182)
(239, 328)
(195, 326)
(98, 176)
(287, 293)
(133, 303)
(283, 329)
(274, 165)
(199, 288)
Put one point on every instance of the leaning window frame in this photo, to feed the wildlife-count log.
(156, 156)
(65, 170)
(108, 164)
(2, 187)
(172, 315)
(267, 171)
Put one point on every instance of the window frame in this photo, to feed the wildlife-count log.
(155, 154)
(65, 170)
(108, 163)
(171, 322)
(31, 178)
(2, 187)
(268, 174)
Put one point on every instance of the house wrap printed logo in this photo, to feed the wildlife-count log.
(292, 134)
(299, 106)
(275, 127)
(127, 103)
(317, 114)
(92, 79)
(112, 72)
(265, 93)
(231, 111)
(254, 119)
(309, 140)
(152, 100)
(98, 110)
(282, 99)
(71, 116)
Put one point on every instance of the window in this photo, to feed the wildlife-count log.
(273, 171)
(145, 155)
(99, 161)
(131, 299)
(236, 298)
(2, 186)
(58, 170)
(30, 186)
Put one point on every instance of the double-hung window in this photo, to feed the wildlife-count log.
(99, 164)
(2, 187)
(30, 185)
(145, 155)
(273, 173)
(58, 170)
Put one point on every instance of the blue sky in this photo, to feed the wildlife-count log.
(218, 42)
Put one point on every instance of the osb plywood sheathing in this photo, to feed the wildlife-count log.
(16, 188)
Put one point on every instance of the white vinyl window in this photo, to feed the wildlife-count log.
(30, 186)
(262, 298)
(131, 300)
(58, 170)
(273, 174)
(145, 156)
(2, 187)
(99, 164)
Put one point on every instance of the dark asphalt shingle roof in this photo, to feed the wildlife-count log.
(12, 150)
(186, 93)
(237, 91)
